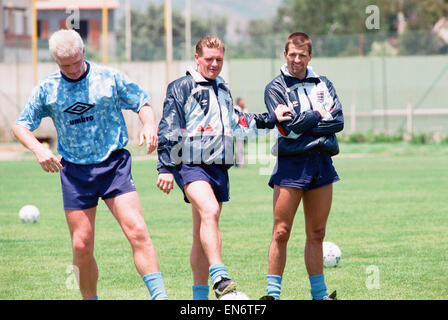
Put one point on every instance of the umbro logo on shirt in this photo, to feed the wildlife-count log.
(79, 108)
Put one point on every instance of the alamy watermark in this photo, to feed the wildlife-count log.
(373, 19)
(373, 278)
(73, 19)
(209, 148)
(72, 277)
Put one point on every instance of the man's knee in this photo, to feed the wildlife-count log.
(316, 234)
(82, 247)
(210, 214)
(138, 235)
(281, 233)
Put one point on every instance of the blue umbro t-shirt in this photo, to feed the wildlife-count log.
(87, 113)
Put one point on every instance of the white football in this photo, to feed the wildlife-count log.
(29, 214)
(332, 254)
(235, 295)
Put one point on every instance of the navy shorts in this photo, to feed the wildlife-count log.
(216, 175)
(308, 171)
(82, 185)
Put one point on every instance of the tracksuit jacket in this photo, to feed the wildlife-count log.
(199, 122)
(307, 131)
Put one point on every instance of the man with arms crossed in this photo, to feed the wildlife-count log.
(196, 149)
(85, 102)
(304, 167)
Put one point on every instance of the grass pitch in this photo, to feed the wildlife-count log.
(389, 217)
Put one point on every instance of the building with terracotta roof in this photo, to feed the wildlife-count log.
(85, 16)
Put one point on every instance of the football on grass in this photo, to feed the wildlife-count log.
(29, 214)
(332, 254)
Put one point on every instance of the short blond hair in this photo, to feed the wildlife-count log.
(209, 42)
(65, 43)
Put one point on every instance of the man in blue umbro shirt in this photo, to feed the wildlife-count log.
(85, 102)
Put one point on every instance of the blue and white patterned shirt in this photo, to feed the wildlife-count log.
(87, 112)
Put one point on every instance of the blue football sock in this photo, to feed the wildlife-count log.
(318, 287)
(200, 291)
(155, 285)
(274, 286)
(217, 270)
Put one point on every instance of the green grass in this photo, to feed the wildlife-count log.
(390, 211)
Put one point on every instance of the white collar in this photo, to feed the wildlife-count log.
(198, 78)
(309, 72)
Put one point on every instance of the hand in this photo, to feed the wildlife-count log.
(47, 160)
(323, 112)
(165, 182)
(283, 113)
(149, 133)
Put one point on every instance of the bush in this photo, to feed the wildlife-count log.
(382, 137)
(444, 140)
(356, 137)
(421, 138)
(371, 137)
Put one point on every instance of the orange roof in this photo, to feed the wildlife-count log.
(81, 4)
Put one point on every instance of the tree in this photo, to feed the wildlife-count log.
(323, 16)
(148, 33)
(338, 27)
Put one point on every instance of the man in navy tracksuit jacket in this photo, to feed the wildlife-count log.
(304, 167)
(196, 149)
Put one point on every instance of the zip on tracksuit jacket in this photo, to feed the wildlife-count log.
(199, 122)
(307, 130)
